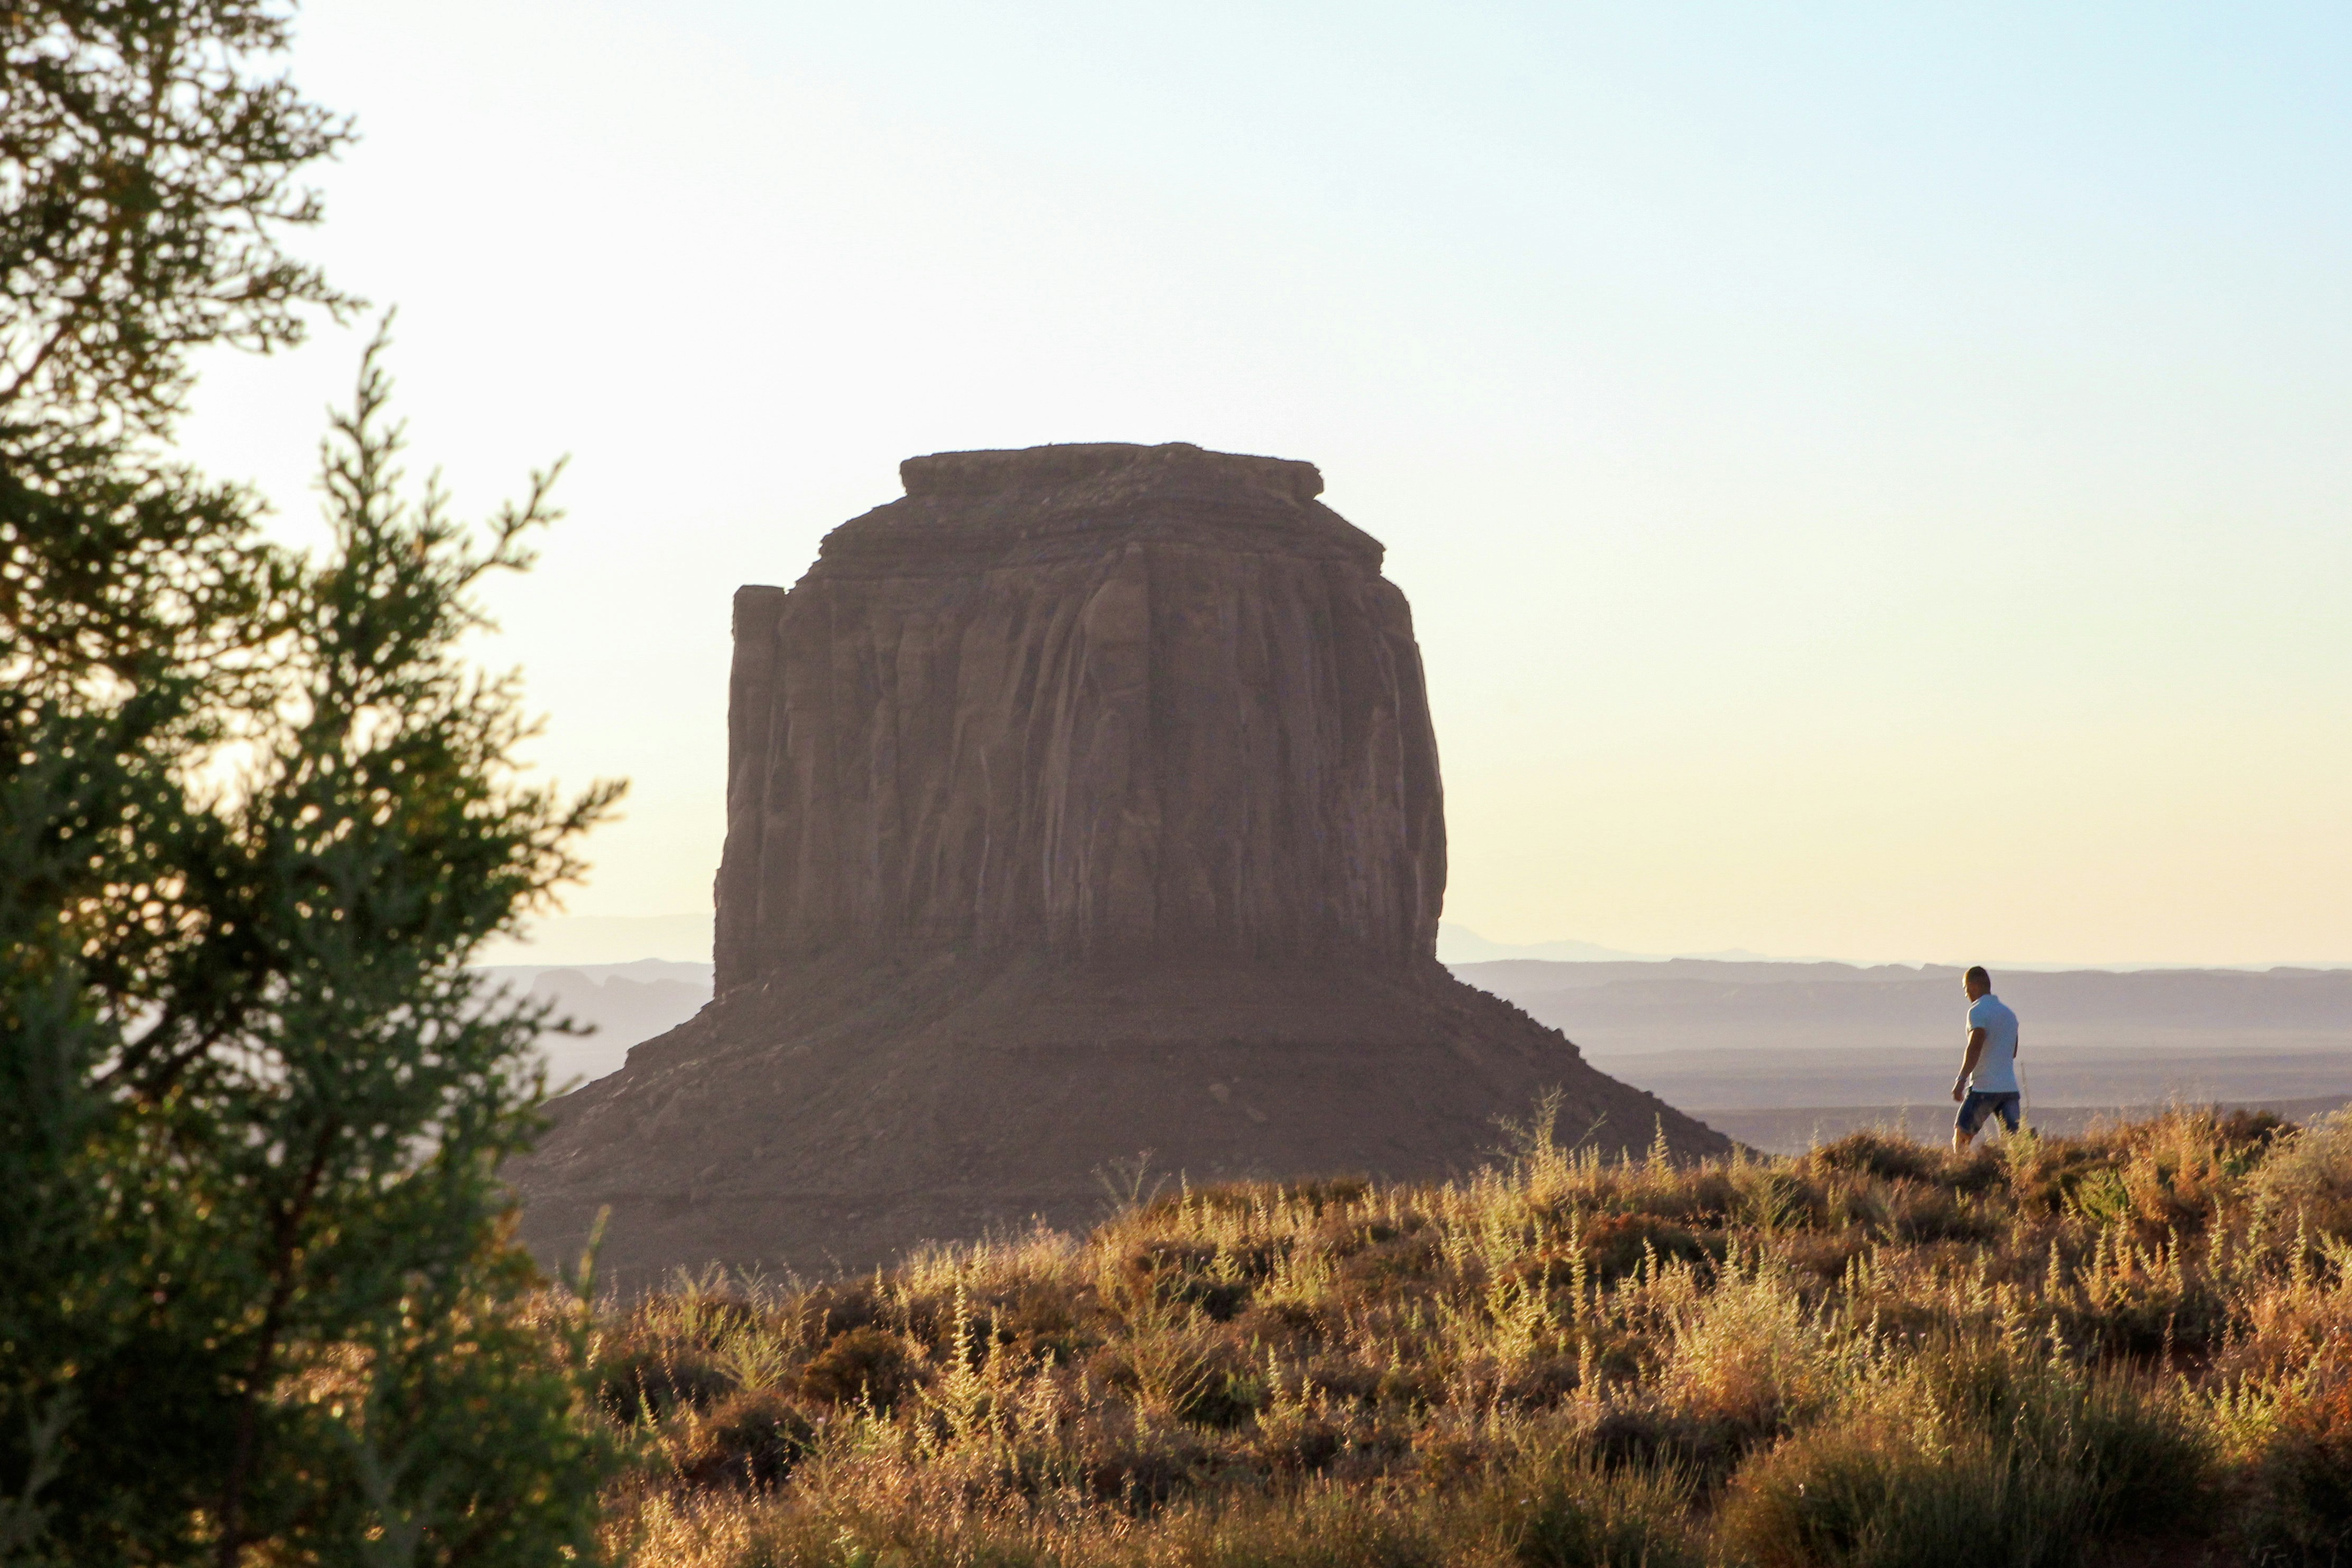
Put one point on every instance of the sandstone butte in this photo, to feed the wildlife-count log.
(1082, 803)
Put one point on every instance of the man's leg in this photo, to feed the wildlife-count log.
(1964, 1126)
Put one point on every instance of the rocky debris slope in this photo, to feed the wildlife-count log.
(1082, 803)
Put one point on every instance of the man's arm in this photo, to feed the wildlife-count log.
(1976, 1049)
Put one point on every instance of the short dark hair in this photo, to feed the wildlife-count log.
(1977, 976)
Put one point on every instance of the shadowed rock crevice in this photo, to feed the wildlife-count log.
(1083, 800)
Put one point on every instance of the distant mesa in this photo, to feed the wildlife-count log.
(1082, 801)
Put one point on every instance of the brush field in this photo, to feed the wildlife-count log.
(2130, 1346)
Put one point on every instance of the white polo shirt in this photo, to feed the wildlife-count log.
(1997, 1063)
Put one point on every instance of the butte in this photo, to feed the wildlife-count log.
(1082, 803)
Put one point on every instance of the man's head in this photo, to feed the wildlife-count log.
(1977, 983)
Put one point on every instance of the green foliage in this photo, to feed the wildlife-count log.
(255, 813)
(145, 170)
(258, 1283)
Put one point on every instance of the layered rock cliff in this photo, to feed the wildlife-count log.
(1095, 700)
(1083, 801)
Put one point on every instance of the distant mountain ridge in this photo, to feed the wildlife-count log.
(622, 1005)
(1796, 1037)
(1458, 944)
(1599, 997)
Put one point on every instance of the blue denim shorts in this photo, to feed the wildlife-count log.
(1974, 1107)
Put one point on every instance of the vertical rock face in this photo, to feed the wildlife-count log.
(1082, 807)
(1091, 699)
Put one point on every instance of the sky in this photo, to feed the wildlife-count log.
(1872, 482)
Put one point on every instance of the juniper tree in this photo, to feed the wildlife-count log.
(257, 1298)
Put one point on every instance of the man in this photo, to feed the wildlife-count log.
(1988, 1080)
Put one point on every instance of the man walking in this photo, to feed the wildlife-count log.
(1988, 1080)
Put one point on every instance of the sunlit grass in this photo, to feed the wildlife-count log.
(1879, 1354)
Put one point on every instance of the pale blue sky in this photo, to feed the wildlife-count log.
(1872, 480)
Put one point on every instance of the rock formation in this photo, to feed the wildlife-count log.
(1083, 802)
(1088, 699)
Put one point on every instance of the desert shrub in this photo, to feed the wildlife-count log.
(2302, 1480)
(1873, 1495)
(1380, 1254)
(1983, 1168)
(1924, 1212)
(1980, 1383)
(2142, 1466)
(2148, 1470)
(2143, 1304)
(1329, 1193)
(1881, 1154)
(1297, 1440)
(1825, 1256)
(701, 1312)
(1909, 1165)
(639, 1381)
(1163, 1257)
(1136, 1468)
(2309, 1176)
(860, 1365)
(1747, 1357)
(2176, 1171)
(2047, 1174)
(1541, 1510)
(833, 1308)
(1539, 1382)
(1616, 1245)
(1352, 1382)
(1321, 1526)
(1225, 1398)
(1644, 1438)
(1704, 1196)
(753, 1438)
(1777, 1198)
(1039, 1324)
(1968, 1452)
(2251, 1129)
(1289, 1323)
(1222, 1389)
(1561, 1512)
(1819, 1499)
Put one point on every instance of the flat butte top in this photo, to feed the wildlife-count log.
(1041, 501)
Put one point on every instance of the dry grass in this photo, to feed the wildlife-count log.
(1877, 1355)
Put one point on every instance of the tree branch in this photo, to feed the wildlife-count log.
(287, 1237)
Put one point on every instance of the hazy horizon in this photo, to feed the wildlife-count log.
(605, 941)
(1869, 482)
